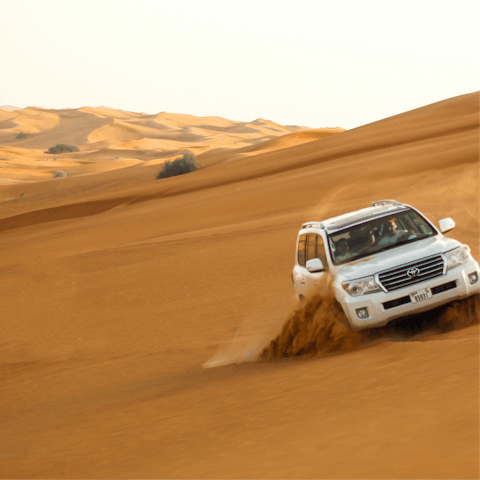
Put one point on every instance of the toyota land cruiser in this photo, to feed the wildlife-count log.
(387, 260)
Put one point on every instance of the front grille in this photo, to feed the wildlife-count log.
(435, 290)
(397, 277)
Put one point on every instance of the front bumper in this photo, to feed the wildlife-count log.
(383, 307)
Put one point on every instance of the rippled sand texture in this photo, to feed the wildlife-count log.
(117, 289)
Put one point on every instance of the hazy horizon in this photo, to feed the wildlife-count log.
(312, 64)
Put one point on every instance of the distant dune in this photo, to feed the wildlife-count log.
(110, 139)
(9, 108)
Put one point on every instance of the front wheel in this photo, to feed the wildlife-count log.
(460, 313)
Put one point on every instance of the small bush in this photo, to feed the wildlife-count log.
(59, 174)
(21, 136)
(179, 166)
(61, 148)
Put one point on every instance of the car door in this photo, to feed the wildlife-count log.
(298, 274)
(309, 246)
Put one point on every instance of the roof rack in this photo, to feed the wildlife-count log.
(313, 225)
(385, 202)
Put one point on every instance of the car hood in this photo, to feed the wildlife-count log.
(394, 257)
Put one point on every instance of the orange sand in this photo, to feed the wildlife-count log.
(117, 288)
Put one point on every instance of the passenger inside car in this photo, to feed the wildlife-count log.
(361, 238)
(342, 250)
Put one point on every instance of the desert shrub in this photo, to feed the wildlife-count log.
(21, 136)
(59, 174)
(179, 166)
(61, 148)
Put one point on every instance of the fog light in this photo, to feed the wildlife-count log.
(473, 278)
(362, 312)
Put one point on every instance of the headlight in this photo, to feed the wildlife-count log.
(457, 257)
(362, 286)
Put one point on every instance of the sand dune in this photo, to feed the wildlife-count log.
(6, 114)
(105, 112)
(105, 134)
(117, 288)
(34, 120)
(9, 108)
(220, 154)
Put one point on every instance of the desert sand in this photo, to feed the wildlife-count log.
(118, 289)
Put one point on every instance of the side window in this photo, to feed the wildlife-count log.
(321, 251)
(311, 246)
(316, 249)
(302, 250)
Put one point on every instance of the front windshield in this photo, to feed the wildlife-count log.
(377, 235)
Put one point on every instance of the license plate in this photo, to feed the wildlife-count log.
(421, 295)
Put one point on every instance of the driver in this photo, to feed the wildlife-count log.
(391, 233)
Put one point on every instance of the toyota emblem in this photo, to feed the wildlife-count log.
(413, 272)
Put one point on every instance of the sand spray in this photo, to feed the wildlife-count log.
(318, 327)
(253, 333)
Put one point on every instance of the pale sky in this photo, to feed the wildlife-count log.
(315, 63)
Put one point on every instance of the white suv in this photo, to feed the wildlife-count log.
(388, 261)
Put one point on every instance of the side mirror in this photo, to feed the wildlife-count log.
(446, 224)
(315, 265)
